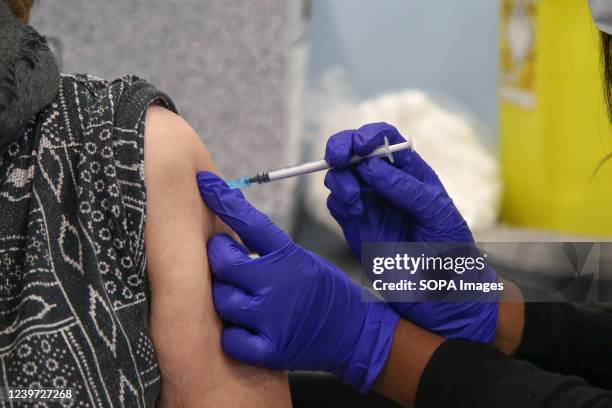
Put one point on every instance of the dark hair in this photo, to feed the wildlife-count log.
(606, 65)
(21, 9)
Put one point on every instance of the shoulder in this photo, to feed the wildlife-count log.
(95, 84)
(125, 96)
(174, 152)
(82, 87)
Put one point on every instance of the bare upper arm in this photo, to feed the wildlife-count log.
(184, 327)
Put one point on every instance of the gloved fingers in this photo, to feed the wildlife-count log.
(337, 209)
(348, 223)
(253, 227)
(414, 164)
(254, 349)
(339, 148)
(345, 187)
(229, 261)
(342, 146)
(401, 189)
(371, 136)
(233, 304)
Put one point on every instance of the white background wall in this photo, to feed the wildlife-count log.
(443, 45)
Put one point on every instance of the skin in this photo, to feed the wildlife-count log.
(510, 319)
(413, 347)
(411, 351)
(184, 326)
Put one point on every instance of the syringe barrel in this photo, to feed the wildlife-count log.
(319, 165)
(296, 170)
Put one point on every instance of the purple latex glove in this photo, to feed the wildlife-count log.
(376, 201)
(289, 308)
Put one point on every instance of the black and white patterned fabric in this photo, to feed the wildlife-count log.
(74, 298)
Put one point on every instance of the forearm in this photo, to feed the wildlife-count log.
(510, 319)
(558, 337)
(463, 374)
(420, 365)
(410, 353)
(413, 347)
(569, 339)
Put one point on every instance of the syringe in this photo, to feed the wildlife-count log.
(317, 165)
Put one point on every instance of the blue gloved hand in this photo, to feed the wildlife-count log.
(376, 201)
(289, 308)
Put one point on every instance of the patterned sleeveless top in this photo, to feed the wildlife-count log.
(74, 297)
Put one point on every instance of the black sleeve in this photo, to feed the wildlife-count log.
(569, 339)
(463, 374)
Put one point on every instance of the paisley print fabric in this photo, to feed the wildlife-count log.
(73, 288)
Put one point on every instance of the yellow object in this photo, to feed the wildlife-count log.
(554, 127)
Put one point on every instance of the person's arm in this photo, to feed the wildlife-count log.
(510, 319)
(462, 374)
(423, 371)
(558, 337)
(411, 351)
(184, 326)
